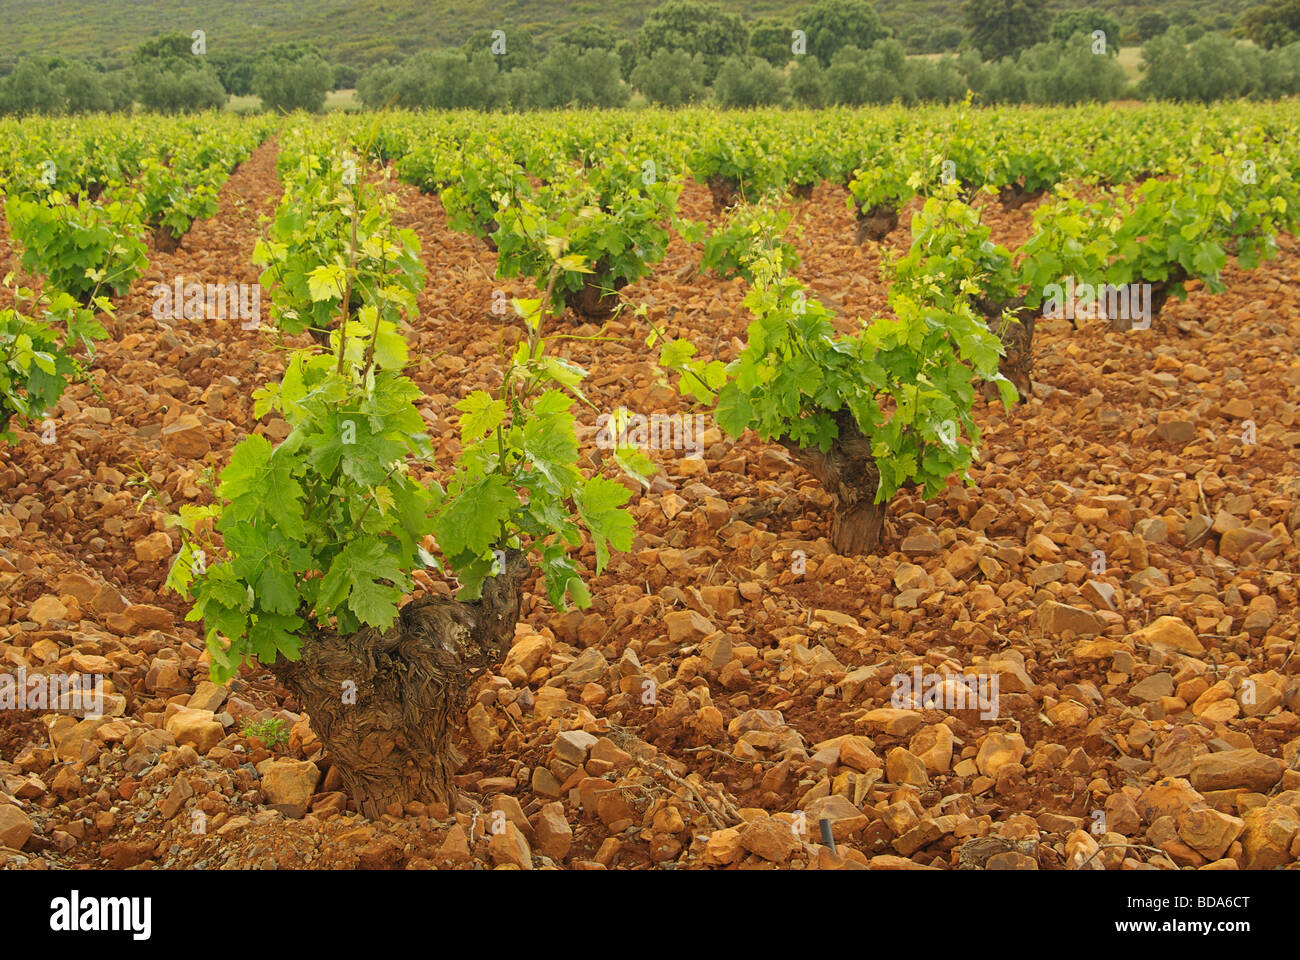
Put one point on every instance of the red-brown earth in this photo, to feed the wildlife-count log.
(1147, 715)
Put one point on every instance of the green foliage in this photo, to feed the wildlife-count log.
(38, 85)
(1005, 82)
(1169, 73)
(928, 37)
(364, 34)
(1071, 73)
(439, 79)
(599, 74)
(308, 260)
(432, 78)
(82, 247)
(83, 90)
(831, 25)
(520, 50)
(741, 156)
(936, 81)
(770, 38)
(748, 84)
(36, 361)
(477, 185)
(270, 731)
(329, 522)
(175, 202)
(178, 86)
(290, 77)
(171, 46)
(1152, 25)
(905, 379)
(892, 184)
(1070, 22)
(808, 82)
(878, 75)
(169, 77)
(325, 529)
(31, 88)
(952, 257)
(234, 72)
(569, 77)
(671, 78)
(752, 233)
(694, 28)
(590, 36)
(604, 225)
(1070, 239)
(88, 90)
(1211, 68)
(999, 28)
(884, 74)
(1273, 24)
(344, 76)
(627, 57)
(517, 481)
(1215, 204)
(1191, 221)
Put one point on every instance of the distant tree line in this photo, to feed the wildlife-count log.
(688, 52)
(173, 74)
(693, 51)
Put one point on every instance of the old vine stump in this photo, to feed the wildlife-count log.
(165, 241)
(1014, 195)
(724, 190)
(876, 223)
(1017, 336)
(596, 301)
(849, 473)
(394, 741)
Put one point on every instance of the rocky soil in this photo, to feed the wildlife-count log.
(1124, 565)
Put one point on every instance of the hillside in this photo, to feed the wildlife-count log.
(361, 31)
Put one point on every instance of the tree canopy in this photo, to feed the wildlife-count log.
(1275, 24)
(834, 24)
(292, 76)
(1000, 28)
(1070, 22)
(694, 28)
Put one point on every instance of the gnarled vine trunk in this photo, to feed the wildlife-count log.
(387, 704)
(876, 223)
(849, 473)
(1014, 195)
(595, 301)
(725, 191)
(1017, 363)
(165, 241)
(1160, 292)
